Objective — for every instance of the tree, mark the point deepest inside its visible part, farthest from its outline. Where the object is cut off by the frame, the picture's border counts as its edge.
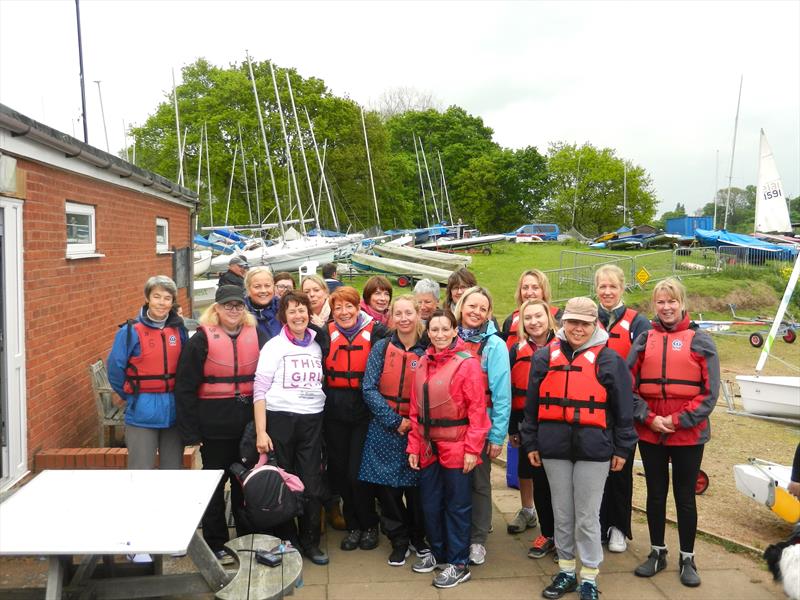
(399, 100)
(680, 211)
(586, 189)
(741, 208)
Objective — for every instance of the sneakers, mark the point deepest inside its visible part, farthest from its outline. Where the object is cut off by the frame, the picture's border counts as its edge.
(541, 547)
(588, 591)
(351, 540)
(451, 576)
(369, 539)
(522, 521)
(223, 557)
(140, 558)
(426, 564)
(477, 554)
(398, 556)
(689, 576)
(421, 549)
(656, 561)
(315, 555)
(563, 583)
(616, 540)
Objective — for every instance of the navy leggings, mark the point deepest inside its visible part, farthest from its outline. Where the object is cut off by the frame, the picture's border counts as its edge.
(685, 466)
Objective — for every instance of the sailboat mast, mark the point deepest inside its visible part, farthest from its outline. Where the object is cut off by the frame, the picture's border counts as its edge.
(716, 189)
(733, 151)
(421, 183)
(177, 129)
(369, 164)
(430, 184)
(230, 184)
(444, 185)
(321, 164)
(208, 179)
(255, 185)
(199, 173)
(624, 194)
(303, 154)
(288, 150)
(266, 149)
(244, 172)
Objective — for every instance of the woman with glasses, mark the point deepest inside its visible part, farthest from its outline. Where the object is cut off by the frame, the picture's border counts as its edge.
(578, 425)
(459, 282)
(214, 396)
(284, 282)
(261, 300)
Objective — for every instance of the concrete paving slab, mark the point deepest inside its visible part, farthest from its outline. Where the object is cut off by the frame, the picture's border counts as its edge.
(728, 584)
(417, 588)
(311, 592)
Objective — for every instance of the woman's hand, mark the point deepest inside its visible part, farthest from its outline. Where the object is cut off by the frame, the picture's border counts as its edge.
(470, 460)
(493, 451)
(263, 442)
(794, 488)
(617, 462)
(404, 426)
(413, 461)
(662, 424)
(514, 440)
(536, 460)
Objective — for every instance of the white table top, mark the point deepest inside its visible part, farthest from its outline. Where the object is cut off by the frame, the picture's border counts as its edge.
(106, 512)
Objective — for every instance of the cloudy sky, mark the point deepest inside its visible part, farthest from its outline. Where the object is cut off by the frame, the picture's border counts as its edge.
(656, 81)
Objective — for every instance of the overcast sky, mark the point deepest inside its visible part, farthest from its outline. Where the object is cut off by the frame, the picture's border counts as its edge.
(658, 82)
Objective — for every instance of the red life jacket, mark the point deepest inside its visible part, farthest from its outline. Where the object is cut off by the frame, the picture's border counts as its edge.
(441, 419)
(619, 336)
(513, 329)
(230, 365)
(347, 361)
(476, 348)
(668, 370)
(397, 377)
(154, 369)
(570, 392)
(520, 372)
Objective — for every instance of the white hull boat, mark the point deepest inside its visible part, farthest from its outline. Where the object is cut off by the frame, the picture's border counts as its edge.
(369, 262)
(766, 483)
(431, 258)
(203, 292)
(202, 261)
(463, 243)
(287, 256)
(770, 396)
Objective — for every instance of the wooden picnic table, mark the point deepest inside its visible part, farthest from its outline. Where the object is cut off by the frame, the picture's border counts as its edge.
(97, 514)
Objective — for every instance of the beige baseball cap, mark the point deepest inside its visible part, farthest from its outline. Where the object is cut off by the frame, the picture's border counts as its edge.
(580, 309)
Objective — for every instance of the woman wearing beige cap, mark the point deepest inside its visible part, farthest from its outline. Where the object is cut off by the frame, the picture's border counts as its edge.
(578, 425)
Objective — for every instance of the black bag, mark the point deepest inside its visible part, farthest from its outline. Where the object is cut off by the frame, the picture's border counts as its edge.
(247, 446)
(271, 495)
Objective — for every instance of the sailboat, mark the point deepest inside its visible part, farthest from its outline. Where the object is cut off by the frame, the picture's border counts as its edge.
(772, 220)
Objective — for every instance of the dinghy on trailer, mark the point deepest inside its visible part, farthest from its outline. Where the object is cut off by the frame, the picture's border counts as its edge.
(402, 269)
(441, 260)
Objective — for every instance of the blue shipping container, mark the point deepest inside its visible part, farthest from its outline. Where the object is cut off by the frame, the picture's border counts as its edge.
(687, 225)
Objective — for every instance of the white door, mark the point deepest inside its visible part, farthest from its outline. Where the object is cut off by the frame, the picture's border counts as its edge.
(13, 412)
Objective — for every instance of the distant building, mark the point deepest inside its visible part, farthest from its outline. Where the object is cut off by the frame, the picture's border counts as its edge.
(81, 230)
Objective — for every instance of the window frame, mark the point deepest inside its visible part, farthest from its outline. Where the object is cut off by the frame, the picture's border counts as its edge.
(162, 247)
(81, 248)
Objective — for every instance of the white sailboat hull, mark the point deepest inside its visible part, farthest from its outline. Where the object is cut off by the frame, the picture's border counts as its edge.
(369, 262)
(202, 261)
(203, 292)
(282, 257)
(770, 396)
(432, 258)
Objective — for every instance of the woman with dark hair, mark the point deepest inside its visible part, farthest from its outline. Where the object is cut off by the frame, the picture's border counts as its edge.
(288, 404)
(448, 432)
(376, 296)
(284, 282)
(459, 282)
(214, 395)
(352, 334)
(387, 392)
(676, 375)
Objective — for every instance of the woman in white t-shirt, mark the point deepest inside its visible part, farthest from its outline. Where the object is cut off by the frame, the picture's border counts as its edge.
(288, 401)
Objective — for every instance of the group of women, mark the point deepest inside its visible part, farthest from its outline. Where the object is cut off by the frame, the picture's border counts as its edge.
(402, 405)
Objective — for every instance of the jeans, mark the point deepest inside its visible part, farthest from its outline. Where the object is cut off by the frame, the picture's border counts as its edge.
(447, 506)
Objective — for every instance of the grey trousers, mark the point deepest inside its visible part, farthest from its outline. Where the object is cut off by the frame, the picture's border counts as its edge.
(577, 491)
(481, 499)
(142, 443)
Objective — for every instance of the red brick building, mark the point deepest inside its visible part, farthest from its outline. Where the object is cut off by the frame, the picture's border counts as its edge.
(81, 230)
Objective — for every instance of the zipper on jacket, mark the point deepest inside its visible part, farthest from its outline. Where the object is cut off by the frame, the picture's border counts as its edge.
(166, 365)
(664, 369)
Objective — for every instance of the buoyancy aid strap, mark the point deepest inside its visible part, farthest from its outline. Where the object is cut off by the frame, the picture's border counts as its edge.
(567, 367)
(346, 374)
(163, 376)
(666, 380)
(515, 391)
(233, 379)
(443, 422)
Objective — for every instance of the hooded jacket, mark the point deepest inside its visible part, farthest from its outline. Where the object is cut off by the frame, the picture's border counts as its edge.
(566, 441)
(494, 362)
(266, 316)
(146, 409)
(689, 415)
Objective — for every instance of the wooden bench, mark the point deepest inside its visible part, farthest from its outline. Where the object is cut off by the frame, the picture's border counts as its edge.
(108, 414)
(256, 581)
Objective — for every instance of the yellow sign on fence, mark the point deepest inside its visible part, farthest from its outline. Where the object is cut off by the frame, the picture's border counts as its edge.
(642, 276)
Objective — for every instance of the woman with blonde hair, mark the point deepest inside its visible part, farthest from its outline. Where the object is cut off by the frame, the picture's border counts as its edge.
(214, 394)
(478, 331)
(261, 300)
(316, 289)
(676, 375)
(388, 379)
(623, 325)
(532, 285)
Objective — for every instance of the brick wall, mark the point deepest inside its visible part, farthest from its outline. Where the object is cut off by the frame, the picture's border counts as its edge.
(73, 307)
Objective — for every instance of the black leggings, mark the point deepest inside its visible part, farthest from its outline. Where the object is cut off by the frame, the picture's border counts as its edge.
(685, 466)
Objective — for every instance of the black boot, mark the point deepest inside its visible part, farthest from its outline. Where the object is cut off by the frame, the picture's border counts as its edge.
(689, 576)
(656, 561)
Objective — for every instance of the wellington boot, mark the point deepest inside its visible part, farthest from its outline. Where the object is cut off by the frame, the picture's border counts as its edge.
(335, 517)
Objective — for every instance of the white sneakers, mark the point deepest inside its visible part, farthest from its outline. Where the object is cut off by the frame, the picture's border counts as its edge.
(477, 554)
(616, 540)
